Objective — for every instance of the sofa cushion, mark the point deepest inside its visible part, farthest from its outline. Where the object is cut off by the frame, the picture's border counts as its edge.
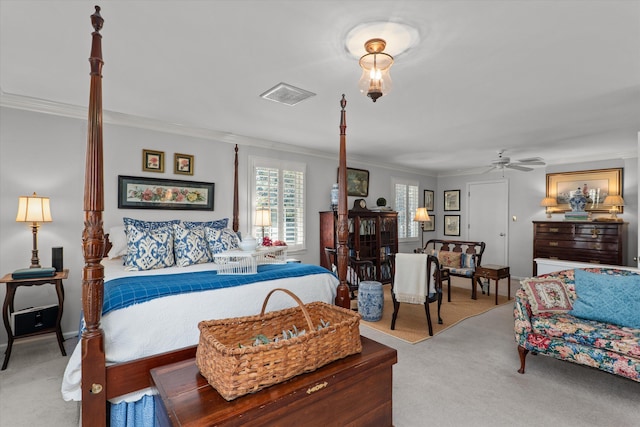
(546, 295)
(606, 298)
(449, 259)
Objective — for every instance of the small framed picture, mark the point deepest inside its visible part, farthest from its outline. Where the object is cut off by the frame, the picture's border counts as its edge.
(153, 161)
(183, 164)
(429, 225)
(452, 200)
(429, 201)
(452, 225)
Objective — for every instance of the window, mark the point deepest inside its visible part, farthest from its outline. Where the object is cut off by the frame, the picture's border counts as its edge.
(407, 202)
(279, 186)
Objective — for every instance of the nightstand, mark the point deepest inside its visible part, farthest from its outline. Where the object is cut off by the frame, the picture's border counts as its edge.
(495, 272)
(7, 308)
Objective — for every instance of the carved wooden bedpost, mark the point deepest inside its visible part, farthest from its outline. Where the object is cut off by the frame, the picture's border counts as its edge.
(342, 296)
(236, 219)
(93, 244)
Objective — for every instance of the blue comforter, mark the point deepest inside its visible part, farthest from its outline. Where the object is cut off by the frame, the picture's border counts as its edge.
(126, 291)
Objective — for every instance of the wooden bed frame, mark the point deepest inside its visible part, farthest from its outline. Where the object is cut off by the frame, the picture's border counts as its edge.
(100, 382)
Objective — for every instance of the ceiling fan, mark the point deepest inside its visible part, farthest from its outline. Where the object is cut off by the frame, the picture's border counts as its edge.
(522, 165)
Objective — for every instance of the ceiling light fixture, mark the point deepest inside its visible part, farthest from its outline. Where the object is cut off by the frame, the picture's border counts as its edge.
(375, 80)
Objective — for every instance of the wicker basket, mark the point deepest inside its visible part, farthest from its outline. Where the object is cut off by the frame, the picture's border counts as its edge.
(235, 371)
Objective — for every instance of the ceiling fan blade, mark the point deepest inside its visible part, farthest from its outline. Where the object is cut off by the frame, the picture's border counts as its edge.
(490, 169)
(532, 161)
(518, 167)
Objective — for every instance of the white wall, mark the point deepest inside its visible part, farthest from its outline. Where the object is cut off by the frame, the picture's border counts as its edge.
(46, 154)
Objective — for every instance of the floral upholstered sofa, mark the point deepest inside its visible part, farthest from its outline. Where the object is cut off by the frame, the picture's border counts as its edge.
(588, 316)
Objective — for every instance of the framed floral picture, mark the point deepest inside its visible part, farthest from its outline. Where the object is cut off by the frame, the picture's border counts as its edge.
(152, 161)
(183, 164)
(154, 193)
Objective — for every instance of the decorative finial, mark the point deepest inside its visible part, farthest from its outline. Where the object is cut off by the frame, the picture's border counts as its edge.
(343, 102)
(96, 19)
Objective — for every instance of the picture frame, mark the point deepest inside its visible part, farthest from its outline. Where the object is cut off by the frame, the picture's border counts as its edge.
(156, 193)
(183, 164)
(452, 225)
(357, 182)
(429, 199)
(452, 200)
(596, 185)
(429, 225)
(152, 161)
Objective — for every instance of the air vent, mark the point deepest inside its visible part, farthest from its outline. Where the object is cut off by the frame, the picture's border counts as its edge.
(286, 94)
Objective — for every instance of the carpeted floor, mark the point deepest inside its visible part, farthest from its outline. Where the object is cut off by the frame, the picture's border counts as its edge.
(411, 324)
(464, 376)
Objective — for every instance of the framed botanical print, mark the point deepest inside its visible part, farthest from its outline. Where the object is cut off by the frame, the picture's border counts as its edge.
(183, 164)
(452, 200)
(452, 225)
(429, 201)
(152, 161)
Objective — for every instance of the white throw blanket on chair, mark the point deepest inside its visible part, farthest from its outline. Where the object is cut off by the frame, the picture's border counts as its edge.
(410, 279)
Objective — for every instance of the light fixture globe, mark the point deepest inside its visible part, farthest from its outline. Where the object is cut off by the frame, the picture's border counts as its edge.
(375, 80)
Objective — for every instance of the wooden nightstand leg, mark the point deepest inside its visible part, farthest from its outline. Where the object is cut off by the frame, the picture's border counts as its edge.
(60, 292)
(497, 291)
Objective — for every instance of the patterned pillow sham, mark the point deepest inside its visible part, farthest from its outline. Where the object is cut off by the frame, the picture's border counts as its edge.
(221, 239)
(149, 249)
(218, 223)
(190, 246)
(149, 225)
(449, 259)
(546, 295)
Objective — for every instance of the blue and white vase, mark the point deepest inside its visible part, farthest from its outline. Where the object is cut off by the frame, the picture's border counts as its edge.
(370, 300)
(578, 201)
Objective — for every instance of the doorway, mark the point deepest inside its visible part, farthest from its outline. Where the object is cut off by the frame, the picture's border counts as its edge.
(488, 219)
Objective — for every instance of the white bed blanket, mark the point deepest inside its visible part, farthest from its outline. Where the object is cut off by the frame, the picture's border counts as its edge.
(169, 323)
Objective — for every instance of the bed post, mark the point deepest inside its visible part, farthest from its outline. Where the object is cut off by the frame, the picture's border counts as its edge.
(236, 220)
(94, 409)
(342, 295)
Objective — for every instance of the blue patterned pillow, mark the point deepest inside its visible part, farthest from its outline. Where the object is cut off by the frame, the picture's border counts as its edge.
(607, 298)
(468, 260)
(190, 246)
(148, 249)
(221, 239)
(218, 223)
(149, 225)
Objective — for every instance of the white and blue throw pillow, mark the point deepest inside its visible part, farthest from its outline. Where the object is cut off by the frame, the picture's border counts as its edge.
(221, 239)
(218, 223)
(149, 249)
(190, 245)
(149, 225)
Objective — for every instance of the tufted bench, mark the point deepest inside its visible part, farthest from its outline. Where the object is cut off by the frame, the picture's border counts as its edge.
(457, 258)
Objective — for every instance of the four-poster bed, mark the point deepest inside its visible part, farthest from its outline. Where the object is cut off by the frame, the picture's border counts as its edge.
(100, 383)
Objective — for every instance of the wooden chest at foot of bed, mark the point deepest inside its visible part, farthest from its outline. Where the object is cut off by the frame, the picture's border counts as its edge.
(355, 391)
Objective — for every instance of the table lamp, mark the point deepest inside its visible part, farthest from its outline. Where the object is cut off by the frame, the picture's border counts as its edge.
(614, 202)
(549, 202)
(422, 216)
(34, 209)
(263, 219)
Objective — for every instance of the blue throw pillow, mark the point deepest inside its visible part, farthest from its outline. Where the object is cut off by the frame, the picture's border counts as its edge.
(149, 225)
(218, 223)
(607, 298)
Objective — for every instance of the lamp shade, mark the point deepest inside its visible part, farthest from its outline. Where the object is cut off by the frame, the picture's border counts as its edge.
(33, 209)
(549, 202)
(422, 215)
(613, 201)
(263, 218)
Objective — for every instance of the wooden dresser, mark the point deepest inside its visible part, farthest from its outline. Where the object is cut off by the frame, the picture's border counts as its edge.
(354, 391)
(594, 242)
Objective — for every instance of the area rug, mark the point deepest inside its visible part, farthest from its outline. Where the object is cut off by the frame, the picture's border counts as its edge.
(411, 324)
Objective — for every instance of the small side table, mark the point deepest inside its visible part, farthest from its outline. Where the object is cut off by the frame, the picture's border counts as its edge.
(495, 272)
(7, 308)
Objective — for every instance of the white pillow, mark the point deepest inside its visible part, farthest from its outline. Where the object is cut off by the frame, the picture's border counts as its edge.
(118, 239)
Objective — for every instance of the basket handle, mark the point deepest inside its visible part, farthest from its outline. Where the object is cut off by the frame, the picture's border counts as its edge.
(295, 297)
